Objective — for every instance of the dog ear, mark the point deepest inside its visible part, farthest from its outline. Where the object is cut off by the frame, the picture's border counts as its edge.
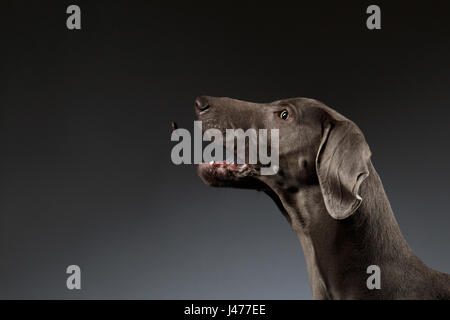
(341, 166)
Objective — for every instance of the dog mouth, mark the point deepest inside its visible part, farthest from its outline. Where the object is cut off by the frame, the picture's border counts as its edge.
(233, 172)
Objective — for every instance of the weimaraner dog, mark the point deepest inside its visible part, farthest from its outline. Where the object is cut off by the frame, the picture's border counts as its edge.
(330, 193)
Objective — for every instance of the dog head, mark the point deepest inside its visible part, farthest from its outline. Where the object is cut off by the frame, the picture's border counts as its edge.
(317, 145)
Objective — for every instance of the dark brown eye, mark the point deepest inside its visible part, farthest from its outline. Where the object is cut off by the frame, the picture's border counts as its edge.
(284, 114)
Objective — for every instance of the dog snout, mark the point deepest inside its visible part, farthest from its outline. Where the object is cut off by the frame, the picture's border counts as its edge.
(201, 104)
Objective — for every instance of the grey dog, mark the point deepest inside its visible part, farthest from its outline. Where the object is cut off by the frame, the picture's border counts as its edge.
(329, 191)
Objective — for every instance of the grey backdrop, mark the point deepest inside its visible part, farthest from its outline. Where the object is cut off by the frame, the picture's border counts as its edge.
(86, 176)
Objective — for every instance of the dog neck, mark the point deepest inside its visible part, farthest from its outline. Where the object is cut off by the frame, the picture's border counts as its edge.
(338, 252)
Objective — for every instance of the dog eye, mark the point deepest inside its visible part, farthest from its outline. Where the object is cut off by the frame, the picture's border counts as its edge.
(284, 114)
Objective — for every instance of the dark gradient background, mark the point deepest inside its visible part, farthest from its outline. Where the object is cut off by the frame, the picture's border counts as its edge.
(86, 176)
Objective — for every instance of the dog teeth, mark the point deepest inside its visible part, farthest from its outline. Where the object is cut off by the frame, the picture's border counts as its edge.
(227, 165)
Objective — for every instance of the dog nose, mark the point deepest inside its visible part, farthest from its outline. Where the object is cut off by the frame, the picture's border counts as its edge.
(201, 104)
